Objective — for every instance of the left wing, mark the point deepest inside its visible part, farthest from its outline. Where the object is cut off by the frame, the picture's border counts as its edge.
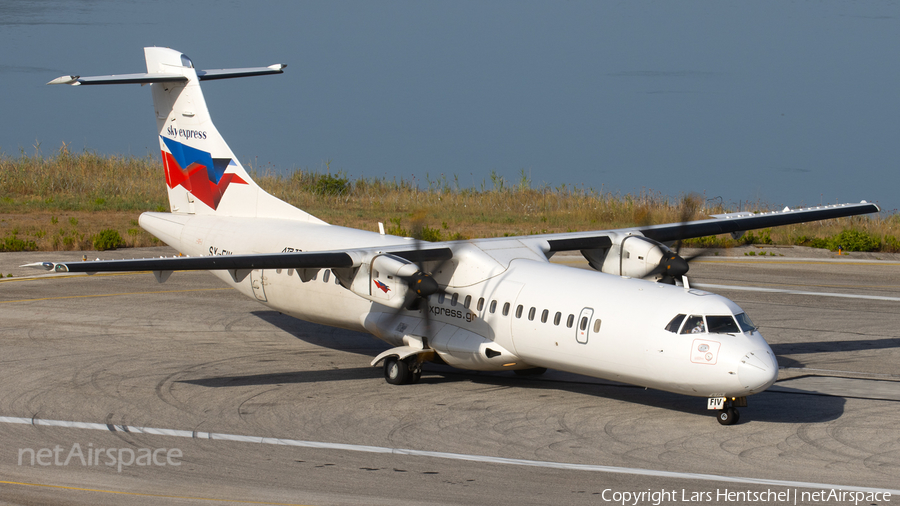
(237, 263)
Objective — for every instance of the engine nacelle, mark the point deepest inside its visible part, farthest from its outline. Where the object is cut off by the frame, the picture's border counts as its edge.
(631, 255)
(382, 279)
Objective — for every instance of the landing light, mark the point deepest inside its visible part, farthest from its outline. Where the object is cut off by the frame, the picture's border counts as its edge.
(509, 364)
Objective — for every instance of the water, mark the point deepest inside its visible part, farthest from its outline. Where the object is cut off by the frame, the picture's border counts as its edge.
(782, 102)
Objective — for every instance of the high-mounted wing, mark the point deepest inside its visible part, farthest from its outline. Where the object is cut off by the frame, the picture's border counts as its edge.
(719, 224)
(741, 222)
(294, 260)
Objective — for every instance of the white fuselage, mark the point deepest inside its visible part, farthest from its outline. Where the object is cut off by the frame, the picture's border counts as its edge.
(558, 317)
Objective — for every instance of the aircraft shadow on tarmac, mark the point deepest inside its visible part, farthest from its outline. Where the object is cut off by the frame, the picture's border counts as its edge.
(281, 378)
(782, 349)
(321, 335)
(772, 407)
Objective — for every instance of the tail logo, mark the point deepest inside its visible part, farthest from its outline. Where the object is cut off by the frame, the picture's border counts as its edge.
(197, 172)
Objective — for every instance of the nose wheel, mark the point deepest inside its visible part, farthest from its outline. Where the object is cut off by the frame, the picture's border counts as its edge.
(729, 416)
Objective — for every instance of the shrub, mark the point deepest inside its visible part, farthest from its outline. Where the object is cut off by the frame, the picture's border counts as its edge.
(108, 239)
(855, 240)
(326, 184)
(13, 243)
(763, 236)
(429, 234)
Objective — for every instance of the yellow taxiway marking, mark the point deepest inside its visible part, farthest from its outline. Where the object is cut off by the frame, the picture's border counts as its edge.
(771, 260)
(73, 275)
(114, 294)
(759, 260)
(237, 501)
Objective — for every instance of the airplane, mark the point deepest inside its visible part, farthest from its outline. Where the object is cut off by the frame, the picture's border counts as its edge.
(491, 304)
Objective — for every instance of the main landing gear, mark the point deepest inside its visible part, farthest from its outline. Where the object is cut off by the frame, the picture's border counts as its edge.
(402, 372)
(729, 415)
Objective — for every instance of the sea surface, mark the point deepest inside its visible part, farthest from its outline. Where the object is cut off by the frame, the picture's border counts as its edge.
(785, 103)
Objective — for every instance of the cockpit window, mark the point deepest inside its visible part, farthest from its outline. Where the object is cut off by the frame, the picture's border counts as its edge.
(722, 325)
(694, 325)
(675, 323)
(186, 62)
(745, 323)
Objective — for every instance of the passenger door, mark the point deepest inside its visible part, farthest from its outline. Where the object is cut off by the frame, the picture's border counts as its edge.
(583, 325)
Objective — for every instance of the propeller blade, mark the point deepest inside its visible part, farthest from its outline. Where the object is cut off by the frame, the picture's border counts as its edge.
(672, 266)
(421, 285)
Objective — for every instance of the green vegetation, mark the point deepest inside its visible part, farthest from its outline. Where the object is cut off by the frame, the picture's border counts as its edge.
(13, 243)
(79, 200)
(108, 239)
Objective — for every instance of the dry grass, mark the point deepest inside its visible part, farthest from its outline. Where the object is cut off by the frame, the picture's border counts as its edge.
(60, 201)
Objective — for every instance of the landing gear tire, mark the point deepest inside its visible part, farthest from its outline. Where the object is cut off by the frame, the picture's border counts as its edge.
(396, 372)
(534, 371)
(728, 416)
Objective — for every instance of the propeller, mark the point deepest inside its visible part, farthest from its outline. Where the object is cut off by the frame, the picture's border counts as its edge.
(672, 266)
(421, 284)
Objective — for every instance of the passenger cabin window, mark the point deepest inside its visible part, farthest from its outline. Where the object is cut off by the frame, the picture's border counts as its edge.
(557, 318)
(441, 298)
(694, 325)
(519, 311)
(506, 309)
(722, 325)
(544, 315)
(493, 307)
(453, 299)
(570, 321)
(325, 276)
(584, 323)
(277, 271)
(290, 272)
(481, 303)
(468, 301)
(597, 325)
(531, 313)
(675, 323)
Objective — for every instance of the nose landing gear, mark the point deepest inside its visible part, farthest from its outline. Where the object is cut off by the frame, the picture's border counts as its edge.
(728, 414)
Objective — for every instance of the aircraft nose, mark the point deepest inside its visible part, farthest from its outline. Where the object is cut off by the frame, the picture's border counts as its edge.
(758, 370)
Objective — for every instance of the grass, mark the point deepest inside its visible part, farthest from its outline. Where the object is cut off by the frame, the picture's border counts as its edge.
(65, 200)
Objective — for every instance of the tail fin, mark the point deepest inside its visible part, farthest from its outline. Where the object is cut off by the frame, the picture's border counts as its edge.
(202, 174)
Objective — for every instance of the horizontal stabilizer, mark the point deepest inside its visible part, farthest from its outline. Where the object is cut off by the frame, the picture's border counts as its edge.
(203, 75)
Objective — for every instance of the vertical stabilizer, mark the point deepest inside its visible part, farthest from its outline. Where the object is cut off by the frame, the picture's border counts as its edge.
(202, 174)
